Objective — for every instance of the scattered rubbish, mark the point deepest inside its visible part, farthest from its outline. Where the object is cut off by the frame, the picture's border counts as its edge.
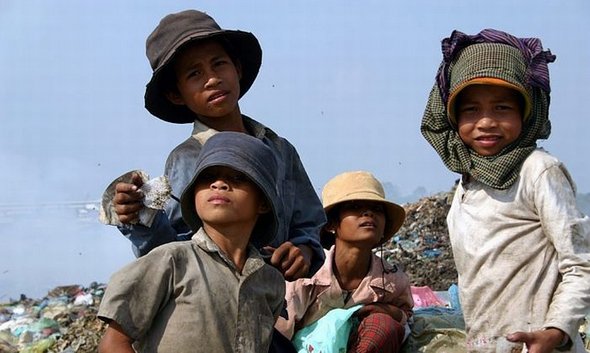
(422, 246)
(62, 322)
(65, 320)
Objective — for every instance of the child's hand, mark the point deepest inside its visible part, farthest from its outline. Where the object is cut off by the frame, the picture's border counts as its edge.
(542, 341)
(293, 262)
(128, 200)
(373, 308)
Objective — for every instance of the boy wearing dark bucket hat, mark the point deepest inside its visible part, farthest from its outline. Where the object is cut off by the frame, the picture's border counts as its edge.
(359, 220)
(214, 293)
(521, 246)
(200, 72)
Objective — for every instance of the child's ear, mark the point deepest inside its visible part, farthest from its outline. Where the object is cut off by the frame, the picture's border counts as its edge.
(238, 66)
(264, 207)
(331, 226)
(175, 98)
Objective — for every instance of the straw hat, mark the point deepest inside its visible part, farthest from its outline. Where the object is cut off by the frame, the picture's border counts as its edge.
(360, 186)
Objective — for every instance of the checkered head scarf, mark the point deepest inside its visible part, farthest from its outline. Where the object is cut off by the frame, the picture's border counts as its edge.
(522, 63)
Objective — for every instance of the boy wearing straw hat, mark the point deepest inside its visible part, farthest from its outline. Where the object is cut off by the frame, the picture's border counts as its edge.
(200, 73)
(214, 293)
(359, 220)
(521, 246)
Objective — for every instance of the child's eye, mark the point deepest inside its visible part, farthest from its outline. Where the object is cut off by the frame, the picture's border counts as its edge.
(467, 108)
(360, 206)
(207, 177)
(238, 178)
(220, 62)
(194, 73)
(378, 208)
(504, 107)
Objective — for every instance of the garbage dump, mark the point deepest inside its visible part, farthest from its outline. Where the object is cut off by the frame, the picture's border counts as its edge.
(65, 320)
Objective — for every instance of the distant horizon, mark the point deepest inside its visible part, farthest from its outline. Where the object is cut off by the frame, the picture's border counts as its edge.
(76, 249)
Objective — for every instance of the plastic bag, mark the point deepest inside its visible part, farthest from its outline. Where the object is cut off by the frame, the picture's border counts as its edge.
(156, 193)
(327, 335)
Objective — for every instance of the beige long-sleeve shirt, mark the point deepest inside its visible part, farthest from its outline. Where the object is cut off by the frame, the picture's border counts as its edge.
(522, 254)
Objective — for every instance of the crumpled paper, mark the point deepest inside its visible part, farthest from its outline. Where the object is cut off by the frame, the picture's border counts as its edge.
(156, 191)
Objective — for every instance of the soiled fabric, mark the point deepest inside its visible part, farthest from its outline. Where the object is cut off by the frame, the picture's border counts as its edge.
(377, 333)
(492, 54)
(302, 216)
(189, 297)
(308, 299)
(522, 254)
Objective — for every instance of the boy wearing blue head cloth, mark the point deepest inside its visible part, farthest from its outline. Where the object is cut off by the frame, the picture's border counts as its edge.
(213, 293)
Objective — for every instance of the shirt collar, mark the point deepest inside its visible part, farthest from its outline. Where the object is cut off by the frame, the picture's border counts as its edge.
(253, 263)
(202, 132)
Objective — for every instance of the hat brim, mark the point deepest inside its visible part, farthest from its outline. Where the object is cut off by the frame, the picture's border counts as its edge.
(250, 156)
(491, 81)
(394, 215)
(248, 51)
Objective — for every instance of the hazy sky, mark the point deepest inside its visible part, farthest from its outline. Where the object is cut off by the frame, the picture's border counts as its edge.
(346, 82)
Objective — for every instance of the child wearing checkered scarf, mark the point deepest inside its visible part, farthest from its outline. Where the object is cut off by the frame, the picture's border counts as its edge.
(521, 246)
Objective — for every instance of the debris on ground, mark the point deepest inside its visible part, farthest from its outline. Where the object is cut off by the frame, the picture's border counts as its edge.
(62, 322)
(422, 245)
(65, 320)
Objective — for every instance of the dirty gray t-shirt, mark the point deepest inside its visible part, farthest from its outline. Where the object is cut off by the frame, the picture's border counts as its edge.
(189, 297)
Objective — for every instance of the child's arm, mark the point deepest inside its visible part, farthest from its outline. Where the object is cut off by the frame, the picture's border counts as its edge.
(307, 216)
(115, 340)
(568, 231)
(168, 225)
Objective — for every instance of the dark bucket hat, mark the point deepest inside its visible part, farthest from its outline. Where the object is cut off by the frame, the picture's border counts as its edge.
(178, 29)
(250, 156)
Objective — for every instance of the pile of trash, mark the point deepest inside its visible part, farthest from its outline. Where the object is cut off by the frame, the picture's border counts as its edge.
(62, 322)
(65, 320)
(422, 245)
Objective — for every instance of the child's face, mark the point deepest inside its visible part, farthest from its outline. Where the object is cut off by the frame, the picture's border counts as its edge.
(489, 118)
(361, 223)
(207, 80)
(224, 196)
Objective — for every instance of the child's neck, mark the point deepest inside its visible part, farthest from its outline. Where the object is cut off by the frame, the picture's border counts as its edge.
(351, 265)
(230, 122)
(232, 241)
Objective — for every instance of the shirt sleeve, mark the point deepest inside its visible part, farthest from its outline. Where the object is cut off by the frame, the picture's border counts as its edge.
(296, 301)
(133, 299)
(402, 297)
(569, 232)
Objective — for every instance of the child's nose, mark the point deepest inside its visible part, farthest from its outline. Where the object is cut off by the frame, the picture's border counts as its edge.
(487, 120)
(212, 81)
(367, 211)
(219, 184)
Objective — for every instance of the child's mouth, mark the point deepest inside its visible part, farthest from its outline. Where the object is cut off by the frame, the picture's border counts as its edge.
(217, 96)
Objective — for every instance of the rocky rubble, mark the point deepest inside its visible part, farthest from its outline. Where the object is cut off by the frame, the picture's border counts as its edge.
(422, 245)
